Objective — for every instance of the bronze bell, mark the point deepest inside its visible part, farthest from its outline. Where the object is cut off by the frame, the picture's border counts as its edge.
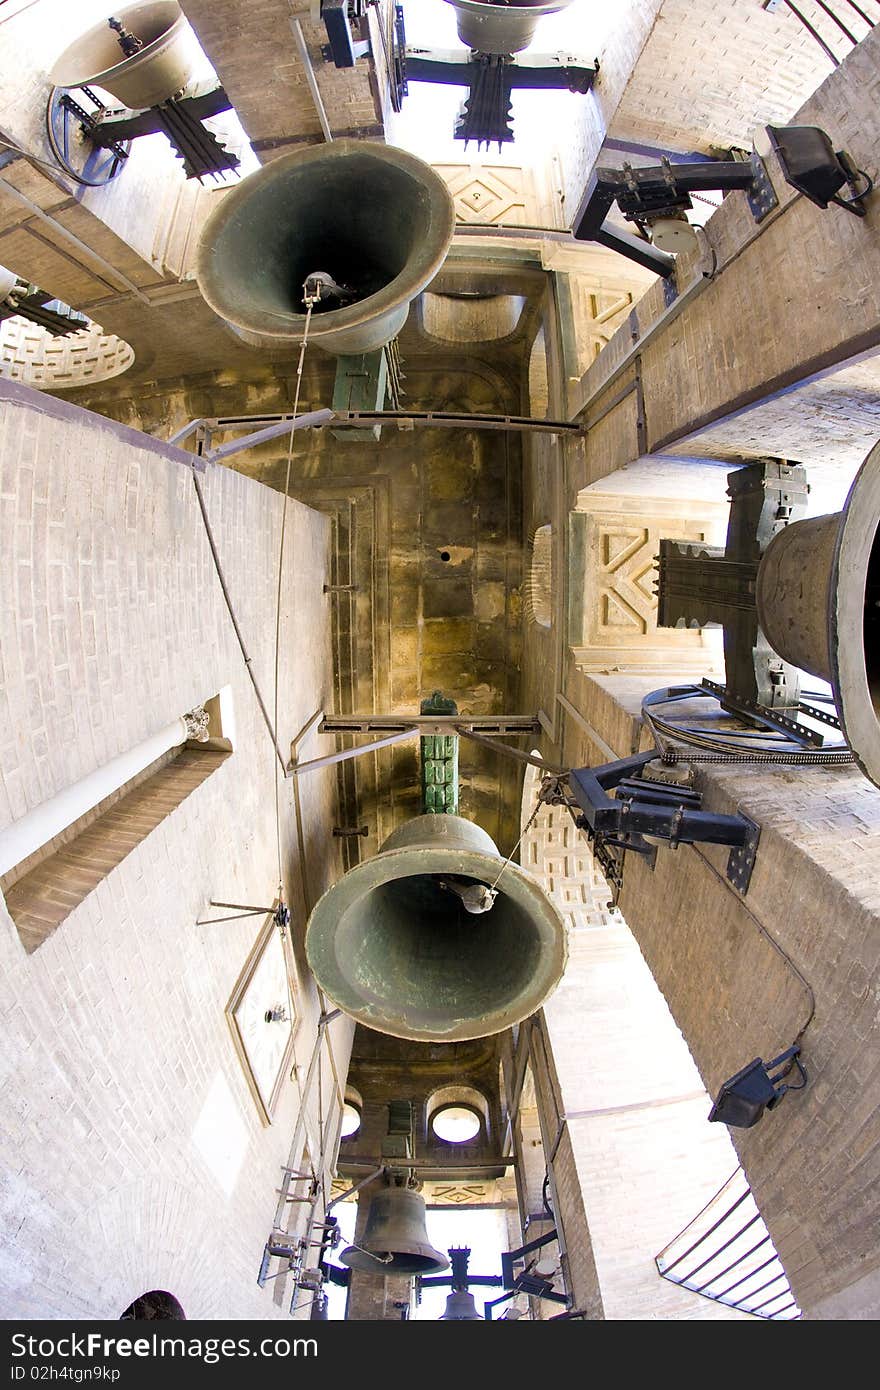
(818, 600)
(397, 946)
(460, 1307)
(161, 69)
(506, 28)
(372, 222)
(395, 1240)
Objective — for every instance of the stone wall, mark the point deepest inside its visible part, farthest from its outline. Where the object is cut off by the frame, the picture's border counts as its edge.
(745, 976)
(727, 345)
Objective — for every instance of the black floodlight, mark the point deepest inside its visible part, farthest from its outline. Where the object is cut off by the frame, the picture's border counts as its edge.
(743, 1098)
(812, 166)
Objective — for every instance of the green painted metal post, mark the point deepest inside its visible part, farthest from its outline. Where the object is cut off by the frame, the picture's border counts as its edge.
(360, 385)
(439, 757)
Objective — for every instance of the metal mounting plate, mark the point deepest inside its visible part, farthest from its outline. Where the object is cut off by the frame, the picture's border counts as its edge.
(761, 195)
(741, 859)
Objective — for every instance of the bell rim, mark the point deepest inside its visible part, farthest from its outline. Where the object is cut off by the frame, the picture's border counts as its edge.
(481, 7)
(418, 274)
(384, 868)
(856, 537)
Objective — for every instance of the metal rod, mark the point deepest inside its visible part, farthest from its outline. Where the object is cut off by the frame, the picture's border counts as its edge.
(299, 40)
(719, 1250)
(520, 757)
(861, 13)
(433, 1167)
(447, 420)
(237, 917)
(313, 420)
(829, 52)
(839, 22)
(720, 1274)
(243, 907)
(502, 725)
(357, 1187)
(439, 419)
(706, 1234)
(347, 753)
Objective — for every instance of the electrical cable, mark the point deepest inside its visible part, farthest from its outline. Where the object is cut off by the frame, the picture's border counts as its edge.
(54, 169)
(244, 651)
(805, 984)
(707, 274)
(717, 749)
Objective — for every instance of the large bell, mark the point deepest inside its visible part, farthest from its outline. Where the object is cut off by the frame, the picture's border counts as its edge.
(394, 944)
(374, 219)
(460, 1307)
(160, 70)
(818, 600)
(395, 1239)
(500, 27)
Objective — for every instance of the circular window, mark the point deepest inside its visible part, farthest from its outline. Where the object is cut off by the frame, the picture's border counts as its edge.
(456, 1124)
(351, 1120)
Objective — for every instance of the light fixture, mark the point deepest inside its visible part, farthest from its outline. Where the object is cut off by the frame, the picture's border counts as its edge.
(743, 1098)
(673, 234)
(811, 164)
(656, 197)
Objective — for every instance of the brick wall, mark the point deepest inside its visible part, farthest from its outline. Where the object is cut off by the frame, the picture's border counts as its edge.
(253, 51)
(709, 74)
(733, 345)
(133, 1153)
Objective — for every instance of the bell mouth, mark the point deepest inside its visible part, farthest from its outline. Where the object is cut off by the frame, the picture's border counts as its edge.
(854, 618)
(398, 1264)
(394, 946)
(376, 219)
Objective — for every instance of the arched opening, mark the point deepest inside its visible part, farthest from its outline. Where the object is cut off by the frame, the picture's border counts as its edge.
(154, 1306)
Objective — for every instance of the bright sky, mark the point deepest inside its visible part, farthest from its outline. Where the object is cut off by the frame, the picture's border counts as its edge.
(429, 111)
(482, 1230)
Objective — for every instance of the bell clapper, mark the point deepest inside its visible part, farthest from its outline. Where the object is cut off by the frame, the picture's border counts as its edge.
(475, 897)
(319, 285)
(129, 43)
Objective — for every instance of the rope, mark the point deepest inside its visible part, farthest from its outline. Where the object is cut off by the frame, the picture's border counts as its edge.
(526, 827)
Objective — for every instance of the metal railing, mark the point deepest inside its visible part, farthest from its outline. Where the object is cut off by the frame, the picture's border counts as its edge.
(841, 23)
(726, 1254)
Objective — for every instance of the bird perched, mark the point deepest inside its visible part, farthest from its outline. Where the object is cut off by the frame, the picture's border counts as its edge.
(475, 897)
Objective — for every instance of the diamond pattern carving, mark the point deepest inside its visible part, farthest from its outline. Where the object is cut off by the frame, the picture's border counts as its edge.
(598, 314)
(490, 193)
(620, 571)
